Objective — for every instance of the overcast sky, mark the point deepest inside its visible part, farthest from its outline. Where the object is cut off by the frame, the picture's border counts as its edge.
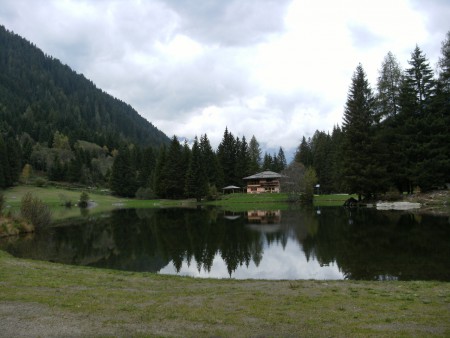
(276, 69)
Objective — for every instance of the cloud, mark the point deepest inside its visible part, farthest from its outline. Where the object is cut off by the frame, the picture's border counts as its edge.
(276, 69)
(230, 23)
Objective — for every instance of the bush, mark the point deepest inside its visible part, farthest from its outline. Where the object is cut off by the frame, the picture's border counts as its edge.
(65, 201)
(40, 182)
(84, 200)
(35, 211)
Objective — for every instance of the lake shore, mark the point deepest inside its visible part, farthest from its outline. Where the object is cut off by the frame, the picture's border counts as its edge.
(48, 299)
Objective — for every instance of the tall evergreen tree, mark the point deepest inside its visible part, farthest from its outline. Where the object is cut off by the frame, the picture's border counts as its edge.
(226, 153)
(210, 163)
(159, 174)
(281, 159)
(146, 167)
(196, 180)
(363, 173)
(321, 154)
(389, 82)
(174, 172)
(255, 155)
(419, 77)
(415, 124)
(267, 162)
(123, 175)
(243, 160)
(304, 154)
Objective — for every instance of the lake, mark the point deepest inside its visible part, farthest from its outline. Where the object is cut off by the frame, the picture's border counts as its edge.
(302, 243)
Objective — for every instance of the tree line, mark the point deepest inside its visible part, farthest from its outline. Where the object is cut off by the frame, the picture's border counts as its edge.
(183, 171)
(396, 138)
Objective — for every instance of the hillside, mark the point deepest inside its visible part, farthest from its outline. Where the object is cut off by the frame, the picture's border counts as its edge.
(39, 96)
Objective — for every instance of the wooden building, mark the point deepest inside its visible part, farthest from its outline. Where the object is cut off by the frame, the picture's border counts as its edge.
(263, 182)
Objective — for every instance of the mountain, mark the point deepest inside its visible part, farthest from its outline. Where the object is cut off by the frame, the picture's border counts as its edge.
(40, 96)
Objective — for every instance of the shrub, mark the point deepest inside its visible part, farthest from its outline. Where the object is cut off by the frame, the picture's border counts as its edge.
(84, 199)
(65, 201)
(40, 182)
(35, 211)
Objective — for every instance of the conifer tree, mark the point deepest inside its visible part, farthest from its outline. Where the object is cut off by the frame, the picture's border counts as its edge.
(196, 180)
(255, 155)
(123, 176)
(304, 154)
(389, 82)
(281, 159)
(159, 174)
(242, 160)
(363, 173)
(419, 77)
(173, 175)
(226, 154)
(415, 124)
(210, 163)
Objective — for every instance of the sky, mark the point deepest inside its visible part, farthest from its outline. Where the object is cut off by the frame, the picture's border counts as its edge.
(274, 69)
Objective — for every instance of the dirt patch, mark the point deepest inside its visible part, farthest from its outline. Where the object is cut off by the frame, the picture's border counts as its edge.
(36, 320)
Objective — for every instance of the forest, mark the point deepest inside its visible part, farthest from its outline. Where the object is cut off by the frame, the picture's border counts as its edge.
(394, 139)
(57, 126)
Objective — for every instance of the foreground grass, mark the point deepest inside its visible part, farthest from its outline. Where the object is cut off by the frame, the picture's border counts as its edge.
(45, 299)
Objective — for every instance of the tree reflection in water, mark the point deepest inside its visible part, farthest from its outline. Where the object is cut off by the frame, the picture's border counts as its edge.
(375, 245)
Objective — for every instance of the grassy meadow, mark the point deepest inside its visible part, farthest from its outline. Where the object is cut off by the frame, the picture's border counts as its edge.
(48, 299)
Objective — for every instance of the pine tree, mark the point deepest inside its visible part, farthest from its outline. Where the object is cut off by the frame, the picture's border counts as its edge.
(196, 180)
(243, 160)
(159, 174)
(419, 124)
(210, 163)
(123, 176)
(281, 159)
(363, 173)
(419, 77)
(226, 154)
(255, 155)
(173, 176)
(388, 86)
(304, 154)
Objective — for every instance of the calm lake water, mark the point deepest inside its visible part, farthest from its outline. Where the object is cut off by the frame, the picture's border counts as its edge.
(325, 243)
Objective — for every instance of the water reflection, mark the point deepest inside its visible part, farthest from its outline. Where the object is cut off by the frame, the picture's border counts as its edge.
(270, 244)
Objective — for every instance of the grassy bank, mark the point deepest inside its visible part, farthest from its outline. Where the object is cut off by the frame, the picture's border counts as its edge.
(56, 198)
(45, 299)
(102, 202)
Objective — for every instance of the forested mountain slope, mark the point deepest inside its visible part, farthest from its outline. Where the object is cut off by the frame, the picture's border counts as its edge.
(39, 96)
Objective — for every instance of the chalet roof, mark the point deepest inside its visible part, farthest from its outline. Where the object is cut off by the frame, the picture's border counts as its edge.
(264, 174)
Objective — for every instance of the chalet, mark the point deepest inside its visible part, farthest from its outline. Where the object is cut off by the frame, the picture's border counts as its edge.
(266, 181)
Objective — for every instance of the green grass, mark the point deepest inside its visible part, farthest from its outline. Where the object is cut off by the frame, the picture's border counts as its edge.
(332, 199)
(104, 202)
(94, 302)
